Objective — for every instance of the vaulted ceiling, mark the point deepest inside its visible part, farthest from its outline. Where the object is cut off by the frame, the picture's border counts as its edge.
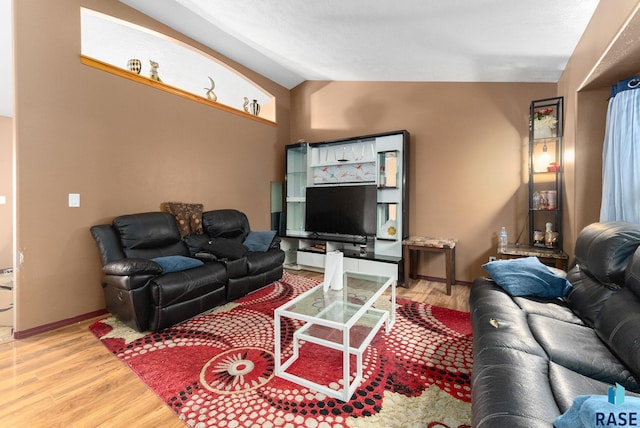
(290, 41)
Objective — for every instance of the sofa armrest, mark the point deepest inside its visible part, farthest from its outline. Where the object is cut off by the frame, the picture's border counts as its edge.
(206, 257)
(132, 266)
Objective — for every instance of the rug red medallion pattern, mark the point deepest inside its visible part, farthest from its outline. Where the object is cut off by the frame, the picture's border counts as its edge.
(217, 370)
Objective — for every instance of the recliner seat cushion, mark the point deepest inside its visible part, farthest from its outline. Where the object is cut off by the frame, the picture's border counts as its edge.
(512, 331)
(579, 348)
(175, 287)
(551, 308)
(506, 390)
(568, 384)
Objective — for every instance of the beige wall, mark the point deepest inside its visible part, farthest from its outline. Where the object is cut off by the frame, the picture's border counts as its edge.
(6, 190)
(469, 145)
(607, 52)
(124, 147)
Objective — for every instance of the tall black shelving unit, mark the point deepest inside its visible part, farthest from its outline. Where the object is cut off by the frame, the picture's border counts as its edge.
(546, 168)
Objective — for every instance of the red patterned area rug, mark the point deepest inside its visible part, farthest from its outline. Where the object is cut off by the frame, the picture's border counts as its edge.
(217, 370)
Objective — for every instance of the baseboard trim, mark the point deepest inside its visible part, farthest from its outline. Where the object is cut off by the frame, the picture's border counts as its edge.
(54, 325)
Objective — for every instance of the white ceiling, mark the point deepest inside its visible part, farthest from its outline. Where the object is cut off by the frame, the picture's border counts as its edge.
(290, 41)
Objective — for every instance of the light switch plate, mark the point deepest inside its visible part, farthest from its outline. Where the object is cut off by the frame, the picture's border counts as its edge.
(74, 200)
(3, 200)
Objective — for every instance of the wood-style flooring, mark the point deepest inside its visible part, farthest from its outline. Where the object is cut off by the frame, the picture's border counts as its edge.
(67, 378)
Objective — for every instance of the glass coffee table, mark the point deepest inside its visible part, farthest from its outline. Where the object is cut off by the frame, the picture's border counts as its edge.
(330, 318)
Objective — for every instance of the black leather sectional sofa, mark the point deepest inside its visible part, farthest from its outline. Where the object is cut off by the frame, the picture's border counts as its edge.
(147, 283)
(533, 356)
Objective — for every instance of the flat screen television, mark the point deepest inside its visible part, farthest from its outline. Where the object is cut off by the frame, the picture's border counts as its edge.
(345, 210)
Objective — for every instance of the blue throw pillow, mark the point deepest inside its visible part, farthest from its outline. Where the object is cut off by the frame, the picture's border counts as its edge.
(259, 241)
(177, 263)
(596, 411)
(527, 277)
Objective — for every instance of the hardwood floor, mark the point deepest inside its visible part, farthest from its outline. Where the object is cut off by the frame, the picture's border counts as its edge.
(66, 378)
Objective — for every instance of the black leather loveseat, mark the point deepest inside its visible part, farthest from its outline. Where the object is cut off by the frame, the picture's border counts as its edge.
(533, 356)
(153, 278)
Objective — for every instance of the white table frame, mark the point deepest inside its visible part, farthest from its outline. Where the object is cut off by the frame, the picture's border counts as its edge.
(365, 310)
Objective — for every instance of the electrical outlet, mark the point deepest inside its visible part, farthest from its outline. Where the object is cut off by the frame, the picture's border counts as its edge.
(492, 258)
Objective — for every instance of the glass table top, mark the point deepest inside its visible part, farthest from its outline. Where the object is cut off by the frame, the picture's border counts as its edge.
(338, 306)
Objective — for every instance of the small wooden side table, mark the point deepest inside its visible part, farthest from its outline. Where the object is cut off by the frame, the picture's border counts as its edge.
(415, 244)
(549, 257)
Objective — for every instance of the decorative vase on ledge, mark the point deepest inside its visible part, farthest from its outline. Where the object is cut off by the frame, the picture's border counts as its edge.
(134, 65)
(251, 107)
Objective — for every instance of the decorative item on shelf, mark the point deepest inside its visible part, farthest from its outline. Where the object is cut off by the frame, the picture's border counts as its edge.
(210, 94)
(383, 179)
(134, 65)
(536, 200)
(544, 122)
(552, 199)
(345, 173)
(389, 229)
(548, 199)
(251, 107)
(544, 202)
(553, 167)
(153, 74)
(550, 237)
(538, 238)
(542, 160)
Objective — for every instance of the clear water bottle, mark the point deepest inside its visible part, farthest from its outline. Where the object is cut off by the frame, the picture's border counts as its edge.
(502, 243)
